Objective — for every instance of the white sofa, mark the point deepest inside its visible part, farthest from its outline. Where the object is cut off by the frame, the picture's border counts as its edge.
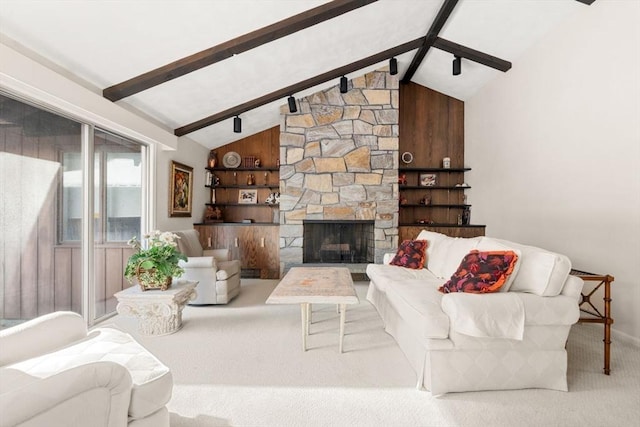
(218, 276)
(54, 372)
(511, 339)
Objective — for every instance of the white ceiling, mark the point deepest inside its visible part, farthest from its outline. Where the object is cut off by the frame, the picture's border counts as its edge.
(105, 42)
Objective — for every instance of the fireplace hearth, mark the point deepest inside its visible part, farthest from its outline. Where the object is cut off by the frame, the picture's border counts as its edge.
(333, 242)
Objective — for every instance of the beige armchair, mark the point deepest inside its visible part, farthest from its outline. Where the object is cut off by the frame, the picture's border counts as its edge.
(218, 276)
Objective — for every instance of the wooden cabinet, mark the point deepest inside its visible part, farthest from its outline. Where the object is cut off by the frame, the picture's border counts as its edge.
(256, 246)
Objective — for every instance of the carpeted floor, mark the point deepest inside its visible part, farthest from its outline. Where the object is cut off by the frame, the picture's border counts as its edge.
(242, 365)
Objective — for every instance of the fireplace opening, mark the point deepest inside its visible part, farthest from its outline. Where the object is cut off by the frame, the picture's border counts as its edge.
(350, 242)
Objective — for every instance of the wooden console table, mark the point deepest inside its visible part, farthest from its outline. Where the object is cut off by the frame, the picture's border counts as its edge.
(594, 315)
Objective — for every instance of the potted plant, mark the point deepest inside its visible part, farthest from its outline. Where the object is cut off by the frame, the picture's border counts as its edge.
(156, 264)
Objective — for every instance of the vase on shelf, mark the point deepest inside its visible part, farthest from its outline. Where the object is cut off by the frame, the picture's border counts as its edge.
(213, 159)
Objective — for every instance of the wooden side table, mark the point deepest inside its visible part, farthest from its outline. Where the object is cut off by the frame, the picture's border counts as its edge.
(593, 315)
(158, 312)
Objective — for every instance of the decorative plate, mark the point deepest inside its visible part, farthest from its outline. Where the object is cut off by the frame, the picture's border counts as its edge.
(231, 160)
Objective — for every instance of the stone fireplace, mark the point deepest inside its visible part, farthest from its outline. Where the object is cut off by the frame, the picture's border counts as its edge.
(339, 162)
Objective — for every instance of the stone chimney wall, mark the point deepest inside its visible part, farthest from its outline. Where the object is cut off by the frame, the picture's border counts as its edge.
(339, 161)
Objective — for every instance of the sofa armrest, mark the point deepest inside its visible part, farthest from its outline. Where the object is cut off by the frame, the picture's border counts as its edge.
(78, 396)
(34, 337)
(199, 262)
(218, 254)
(573, 287)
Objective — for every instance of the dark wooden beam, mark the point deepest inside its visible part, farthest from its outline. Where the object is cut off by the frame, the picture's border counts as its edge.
(432, 34)
(587, 2)
(232, 47)
(472, 55)
(298, 87)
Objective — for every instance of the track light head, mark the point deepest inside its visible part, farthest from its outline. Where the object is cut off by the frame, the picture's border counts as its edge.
(343, 85)
(292, 104)
(237, 124)
(457, 65)
(393, 66)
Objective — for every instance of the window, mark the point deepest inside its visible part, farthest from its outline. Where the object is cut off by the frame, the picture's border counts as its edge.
(43, 251)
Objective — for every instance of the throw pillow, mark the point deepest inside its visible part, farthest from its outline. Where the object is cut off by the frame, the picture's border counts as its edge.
(481, 272)
(411, 254)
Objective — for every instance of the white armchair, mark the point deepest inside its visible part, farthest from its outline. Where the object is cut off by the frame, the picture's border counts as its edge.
(53, 372)
(218, 276)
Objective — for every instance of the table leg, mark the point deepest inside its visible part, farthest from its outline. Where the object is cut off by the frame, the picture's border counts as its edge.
(343, 315)
(303, 311)
(309, 320)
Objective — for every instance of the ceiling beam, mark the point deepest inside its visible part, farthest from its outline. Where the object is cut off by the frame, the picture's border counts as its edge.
(432, 34)
(232, 47)
(300, 86)
(472, 55)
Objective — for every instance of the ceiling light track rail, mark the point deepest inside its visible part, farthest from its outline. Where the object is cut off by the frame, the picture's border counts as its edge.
(472, 54)
(232, 47)
(300, 86)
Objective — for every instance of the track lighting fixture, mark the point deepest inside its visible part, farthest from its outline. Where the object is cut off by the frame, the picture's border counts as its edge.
(237, 124)
(393, 66)
(292, 104)
(457, 65)
(343, 85)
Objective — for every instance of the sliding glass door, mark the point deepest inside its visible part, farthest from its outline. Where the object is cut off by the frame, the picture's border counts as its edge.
(71, 196)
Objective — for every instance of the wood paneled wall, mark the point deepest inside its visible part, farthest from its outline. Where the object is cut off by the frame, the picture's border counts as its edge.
(431, 126)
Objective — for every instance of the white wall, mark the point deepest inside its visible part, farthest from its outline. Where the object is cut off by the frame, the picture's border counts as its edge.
(190, 154)
(555, 149)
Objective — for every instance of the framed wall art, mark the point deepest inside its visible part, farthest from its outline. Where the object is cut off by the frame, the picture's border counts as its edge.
(248, 196)
(180, 190)
(427, 179)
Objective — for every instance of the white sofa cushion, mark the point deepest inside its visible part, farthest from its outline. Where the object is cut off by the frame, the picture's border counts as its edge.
(418, 302)
(448, 253)
(541, 272)
(386, 274)
(152, 381)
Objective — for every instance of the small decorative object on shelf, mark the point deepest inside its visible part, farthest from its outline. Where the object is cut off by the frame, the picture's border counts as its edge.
(235, 178)
(459, 219)
(249, 162)
(213, 159)
(273, 199)
(446, 162)
(402, 179)
(256, 163)
(425, 200)
(407, 157)
(466, 216)
(251, 179)
(266, 178)
(212, 214)
(427, 179)
(277, 163)
(207, 177)
(156, 265)
(403, 200)
(213, 196)
(424, 221)
(215, 181)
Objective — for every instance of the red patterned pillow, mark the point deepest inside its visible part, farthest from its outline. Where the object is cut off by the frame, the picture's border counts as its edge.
(481, 272)
(411, 254)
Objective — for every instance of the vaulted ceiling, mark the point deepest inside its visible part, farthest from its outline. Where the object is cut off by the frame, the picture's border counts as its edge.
(191, 65)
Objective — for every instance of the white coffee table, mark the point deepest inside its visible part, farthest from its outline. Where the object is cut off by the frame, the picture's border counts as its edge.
(316, 285)
(158, 312)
